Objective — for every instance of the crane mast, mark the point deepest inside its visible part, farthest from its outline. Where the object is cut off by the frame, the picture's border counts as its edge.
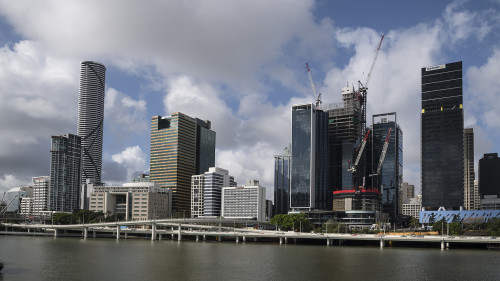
(317, 96)
(382, 154)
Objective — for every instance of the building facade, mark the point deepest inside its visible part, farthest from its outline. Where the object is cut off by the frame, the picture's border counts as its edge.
(489, 175)
(247, 202)
(65, 173)
(134, 201)
(40, 193)
(181, 146)
(412, 207)
(308, 187)
(14, 196)
(469, 175)
(282, 182)
(390, 180)
(442, 129)
(206, 192)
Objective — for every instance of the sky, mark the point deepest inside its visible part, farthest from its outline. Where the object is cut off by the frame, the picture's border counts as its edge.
(239, 64)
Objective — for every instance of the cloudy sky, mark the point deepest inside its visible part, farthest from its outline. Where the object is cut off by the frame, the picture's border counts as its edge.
(240, 64)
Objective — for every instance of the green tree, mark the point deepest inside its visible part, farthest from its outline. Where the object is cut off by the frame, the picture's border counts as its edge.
(292, 222)
(456, 228)
(493, 227)
(62, 218)
(333, 226)
(438, 226)
(414, 223)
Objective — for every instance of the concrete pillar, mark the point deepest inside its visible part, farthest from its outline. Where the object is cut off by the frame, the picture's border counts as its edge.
(159, 236)
(237, 239)
(197, 238)
(85, 232)
(93, 234)
(286, 240)
(382, 243)
(179, 236)
(117, 232)
(244, 239)
(204, 237)
(442, 244)
(29, 230)
(220, 226)
(327, 241)
(219, 238)
(55, 232)
(281, 240)
(447, 245)
(153, 231)
(173, 233)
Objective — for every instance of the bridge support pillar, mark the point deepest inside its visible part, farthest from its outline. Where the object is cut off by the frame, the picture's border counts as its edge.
(442, 244)
(237, 239)
(153, 231)
(328, 241)
(220, 226)
(382, 243)
(125, 235)
(117, 232)
(159, 236)
(204, 237)
(281, 240)
(447, 245)
(179, 236)
(85, 232)
(244, 239)
(197, 238)
(55, 232)
(286, 240)
(173, 233)
(93, 234)
(219, 238)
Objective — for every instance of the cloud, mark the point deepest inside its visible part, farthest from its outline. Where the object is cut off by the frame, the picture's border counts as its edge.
(133, 159)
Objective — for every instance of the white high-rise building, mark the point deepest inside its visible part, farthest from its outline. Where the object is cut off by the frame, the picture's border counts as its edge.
(90, 122)
(206, 192)
(40, 193)
(244, 202)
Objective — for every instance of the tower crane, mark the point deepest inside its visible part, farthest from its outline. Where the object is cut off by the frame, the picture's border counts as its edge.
(317, 96)
(354, 167)
(362, 88)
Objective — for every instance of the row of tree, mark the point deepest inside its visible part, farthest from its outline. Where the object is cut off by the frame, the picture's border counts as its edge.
(84, 216)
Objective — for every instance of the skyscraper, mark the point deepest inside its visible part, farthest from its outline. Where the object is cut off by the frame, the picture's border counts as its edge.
(90, 122)
(65, 169)
(308, 188)
(181, 146)
(41, 187)
(489, 175)
(442, 128)
(390, 179)
(282, 182)
(469, 175)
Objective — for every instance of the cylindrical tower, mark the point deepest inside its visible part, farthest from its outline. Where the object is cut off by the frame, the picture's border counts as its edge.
(91, 118)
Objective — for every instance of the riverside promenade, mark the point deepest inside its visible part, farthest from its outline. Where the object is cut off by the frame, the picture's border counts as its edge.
(227, 230)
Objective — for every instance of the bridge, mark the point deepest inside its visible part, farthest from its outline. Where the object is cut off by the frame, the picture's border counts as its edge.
(220, 229)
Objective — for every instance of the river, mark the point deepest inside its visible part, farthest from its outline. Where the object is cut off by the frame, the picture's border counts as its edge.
(49, 258)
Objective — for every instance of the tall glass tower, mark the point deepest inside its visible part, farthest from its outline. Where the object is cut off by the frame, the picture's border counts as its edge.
(308, 181)
(282, 182)
(442, 137)
(91, 118)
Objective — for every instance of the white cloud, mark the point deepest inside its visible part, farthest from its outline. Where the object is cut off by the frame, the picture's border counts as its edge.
(8, 182)
(125, 115)
(133, 159)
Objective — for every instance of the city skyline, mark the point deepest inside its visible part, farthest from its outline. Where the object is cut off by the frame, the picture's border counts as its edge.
(241, 75)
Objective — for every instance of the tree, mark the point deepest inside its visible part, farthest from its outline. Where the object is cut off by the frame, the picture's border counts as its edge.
(62, 218)
(493, 227)
(292, 222)
(414, 223)
(333, 226)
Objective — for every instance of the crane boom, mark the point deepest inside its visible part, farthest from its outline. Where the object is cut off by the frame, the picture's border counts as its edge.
(384, 151)
(373, 62)
(361, 149)
(317, 96)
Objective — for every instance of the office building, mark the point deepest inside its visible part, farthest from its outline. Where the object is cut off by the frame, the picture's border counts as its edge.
(469, 175)
(489, 175)
(206, 192)
(65, 177)
(407, 192)
(247, 202)
(181, 146)
(141, 178)
(477, 196)
(40, 193)
(308, 182)
(26, 206)
(412, 207)
(442, 137)
(282, 182)
(131, 201)
(390, 179)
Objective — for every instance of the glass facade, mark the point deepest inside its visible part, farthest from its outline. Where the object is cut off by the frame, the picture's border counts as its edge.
(442, 127)
(282, 182)
(205, 146)
(390, 179)
(309, 158)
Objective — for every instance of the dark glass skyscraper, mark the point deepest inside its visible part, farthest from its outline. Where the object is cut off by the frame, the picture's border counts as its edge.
(469, 175)
(390, 179)
(181, 146)
(489, 175)
(442, 127)
(282, 182)
(308, 188)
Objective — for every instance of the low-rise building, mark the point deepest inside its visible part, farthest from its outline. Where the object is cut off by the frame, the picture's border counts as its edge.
(206, 192)
(26, 206)
(412, 207)
(135, 201)
(244, 202)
